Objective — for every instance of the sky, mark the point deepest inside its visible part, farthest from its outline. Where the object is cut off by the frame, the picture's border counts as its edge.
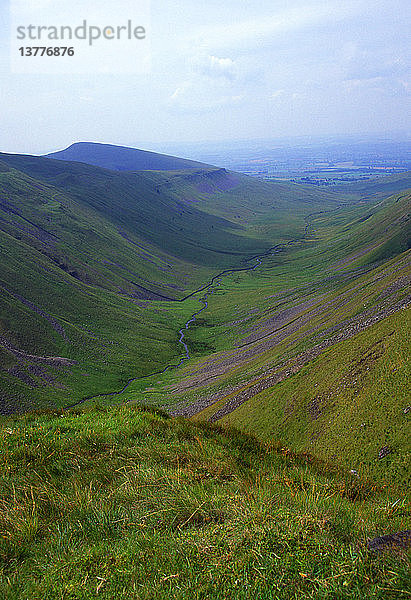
(226, 70)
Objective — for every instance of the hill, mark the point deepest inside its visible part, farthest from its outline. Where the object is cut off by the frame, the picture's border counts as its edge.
(312, 348)
(379, 187)
(121, 158)
(103, 272)
(87, 252)
(128, 503)
(273, 317)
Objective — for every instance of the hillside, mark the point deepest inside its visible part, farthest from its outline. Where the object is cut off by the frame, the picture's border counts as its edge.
(379, 187)
(312, 348)
(105, 273)
(95, 264)
(128, 503)
(120, 158)
(273, 317)
(182, 215)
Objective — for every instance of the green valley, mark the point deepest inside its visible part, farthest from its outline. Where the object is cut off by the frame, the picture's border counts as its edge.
(204, 381)
(91, 259)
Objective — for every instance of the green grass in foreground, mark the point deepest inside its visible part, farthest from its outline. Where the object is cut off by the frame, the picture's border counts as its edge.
(127, 503)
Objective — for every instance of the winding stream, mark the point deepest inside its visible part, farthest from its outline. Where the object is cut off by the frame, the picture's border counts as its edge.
(208, 288)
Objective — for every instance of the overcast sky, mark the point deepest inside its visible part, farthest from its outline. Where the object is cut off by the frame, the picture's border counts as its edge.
(232, 69)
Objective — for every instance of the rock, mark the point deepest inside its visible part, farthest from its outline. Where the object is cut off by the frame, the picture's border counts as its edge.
(402, 539)
(385, 451)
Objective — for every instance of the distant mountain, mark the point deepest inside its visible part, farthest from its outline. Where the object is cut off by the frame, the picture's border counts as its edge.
(120, 158)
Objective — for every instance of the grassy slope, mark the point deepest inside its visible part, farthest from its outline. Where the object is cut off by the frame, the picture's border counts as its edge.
(172, 213)
(125, 503)
(60, 298)
(132, 204)
(82, 246)
(345, 404)
(379, 187)
(52, 254)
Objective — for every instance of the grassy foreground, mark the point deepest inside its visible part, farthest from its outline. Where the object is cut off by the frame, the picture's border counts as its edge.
(128, 503)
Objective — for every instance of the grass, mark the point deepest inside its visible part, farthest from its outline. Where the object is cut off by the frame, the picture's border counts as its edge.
(346, 405)
(84, 245)
(126, 502)
(343, 405)
(92, 250)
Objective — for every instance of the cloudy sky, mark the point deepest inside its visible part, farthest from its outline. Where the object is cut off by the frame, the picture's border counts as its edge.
(223, 70)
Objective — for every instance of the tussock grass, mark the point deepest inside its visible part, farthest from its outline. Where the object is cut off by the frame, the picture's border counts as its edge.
(128, 503)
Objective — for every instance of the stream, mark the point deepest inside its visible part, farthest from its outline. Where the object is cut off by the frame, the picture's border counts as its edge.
(209, 289)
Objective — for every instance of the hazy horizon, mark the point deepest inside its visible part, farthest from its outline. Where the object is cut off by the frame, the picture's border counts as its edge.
(226, 72)
(284, 141)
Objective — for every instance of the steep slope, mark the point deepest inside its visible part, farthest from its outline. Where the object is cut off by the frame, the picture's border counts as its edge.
(128, 503)
(121, 158)
(312, 347)
(87, 253)
(94, 261)
(186, 228)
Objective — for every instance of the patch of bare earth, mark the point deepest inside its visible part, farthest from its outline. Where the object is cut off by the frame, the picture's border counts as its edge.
(35, 370)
